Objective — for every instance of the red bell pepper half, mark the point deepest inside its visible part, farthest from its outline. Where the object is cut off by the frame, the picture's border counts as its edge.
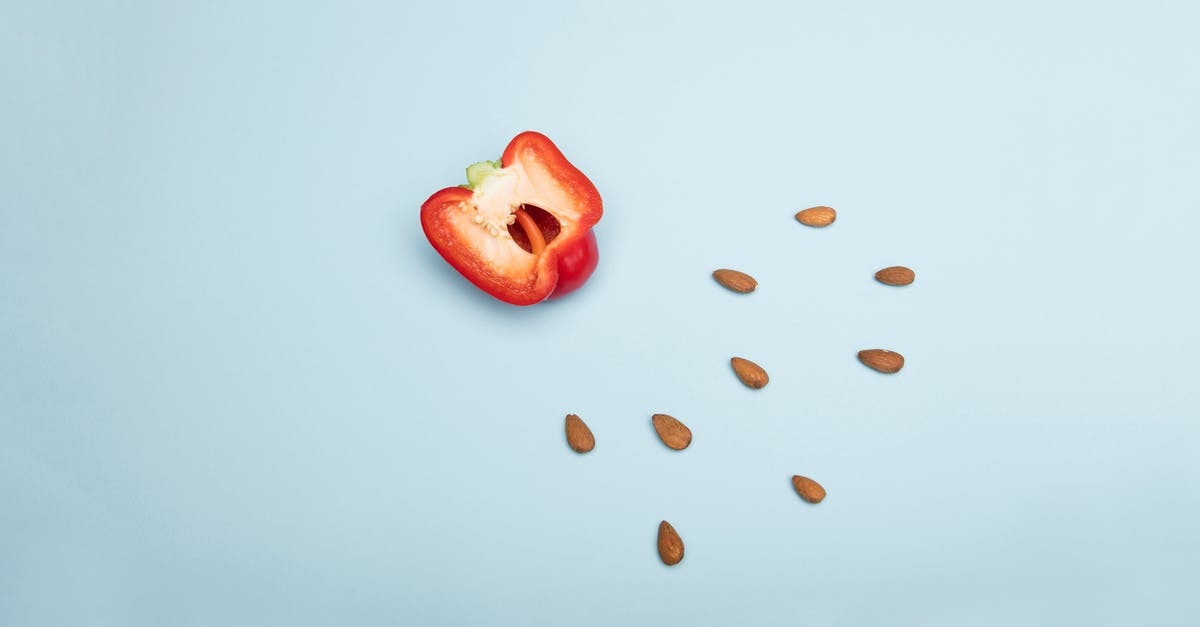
(520, 229)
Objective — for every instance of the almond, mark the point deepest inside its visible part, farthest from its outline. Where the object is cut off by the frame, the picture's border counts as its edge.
(808, 489)
(673, 433)
(817, 216)
(884, 361)
(670, 545)
(749, 372)
(895, 275)
(739, 282)
(579, 437)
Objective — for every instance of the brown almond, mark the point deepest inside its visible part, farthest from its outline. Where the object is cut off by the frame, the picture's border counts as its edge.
(884, 361)
(817, 216)
(739, 282)
(579, 437)
(808, 489)
(673, 433)
(895, 275)
(749, 372)
(670, 545)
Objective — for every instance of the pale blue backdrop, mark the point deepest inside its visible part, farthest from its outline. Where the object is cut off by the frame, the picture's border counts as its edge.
(237, 387)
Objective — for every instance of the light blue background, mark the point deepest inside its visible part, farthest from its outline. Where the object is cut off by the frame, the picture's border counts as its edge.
(237, 387)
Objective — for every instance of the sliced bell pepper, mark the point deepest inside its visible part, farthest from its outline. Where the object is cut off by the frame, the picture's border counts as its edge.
(520, 229)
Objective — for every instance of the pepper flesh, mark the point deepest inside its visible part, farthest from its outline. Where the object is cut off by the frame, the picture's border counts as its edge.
(468, 225)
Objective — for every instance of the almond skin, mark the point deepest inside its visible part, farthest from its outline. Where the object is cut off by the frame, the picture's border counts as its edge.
(884, 361)
(579, 437)
(733, 280)
(670, 545)
(673, 433)
(895, 275)
(749, 372)
(817, 216)
(808, 489)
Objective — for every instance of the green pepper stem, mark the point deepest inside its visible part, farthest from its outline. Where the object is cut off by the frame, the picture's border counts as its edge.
(476, 172)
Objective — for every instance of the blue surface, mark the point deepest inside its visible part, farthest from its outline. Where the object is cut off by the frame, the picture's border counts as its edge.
(237, 387)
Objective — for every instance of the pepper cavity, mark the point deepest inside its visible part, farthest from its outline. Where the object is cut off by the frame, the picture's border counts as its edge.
(533, 228)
